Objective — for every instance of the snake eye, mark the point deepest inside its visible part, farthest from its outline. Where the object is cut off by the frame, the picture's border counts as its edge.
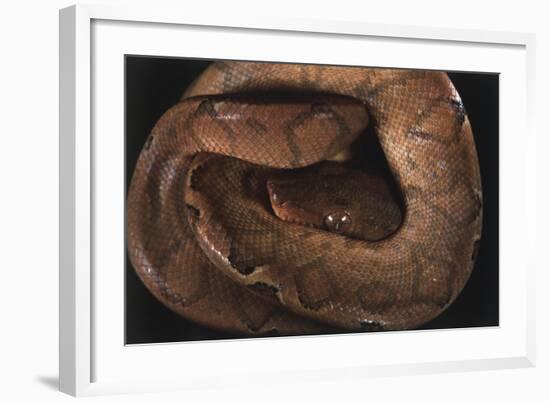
(338, 222)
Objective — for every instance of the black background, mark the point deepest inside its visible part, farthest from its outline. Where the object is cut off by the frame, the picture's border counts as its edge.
(152, 85)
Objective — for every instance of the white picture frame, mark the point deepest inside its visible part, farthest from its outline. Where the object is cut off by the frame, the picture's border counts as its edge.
(93, 357)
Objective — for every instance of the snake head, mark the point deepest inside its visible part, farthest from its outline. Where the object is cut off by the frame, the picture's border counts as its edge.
(310, 203)
(335, 199)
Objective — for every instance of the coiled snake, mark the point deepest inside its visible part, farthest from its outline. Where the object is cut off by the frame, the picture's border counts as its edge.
(213, 210)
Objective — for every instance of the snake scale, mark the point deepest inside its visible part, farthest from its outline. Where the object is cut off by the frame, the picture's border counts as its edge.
(205, 232)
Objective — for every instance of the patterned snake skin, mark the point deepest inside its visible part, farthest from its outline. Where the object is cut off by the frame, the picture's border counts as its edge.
(204, 239)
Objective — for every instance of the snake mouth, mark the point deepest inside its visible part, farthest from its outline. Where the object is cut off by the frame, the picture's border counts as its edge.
(286, 205)
(286, 209)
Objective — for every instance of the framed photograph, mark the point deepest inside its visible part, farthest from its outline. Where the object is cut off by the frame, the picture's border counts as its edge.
(245, 190)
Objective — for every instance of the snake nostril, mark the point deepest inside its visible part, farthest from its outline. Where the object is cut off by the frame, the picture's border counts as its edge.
(149, 142)
(196, 213)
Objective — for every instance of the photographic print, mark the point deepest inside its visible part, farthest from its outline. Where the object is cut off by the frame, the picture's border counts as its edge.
(275, 199)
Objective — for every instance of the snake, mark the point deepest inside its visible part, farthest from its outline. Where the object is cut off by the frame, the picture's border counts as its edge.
(243, 216)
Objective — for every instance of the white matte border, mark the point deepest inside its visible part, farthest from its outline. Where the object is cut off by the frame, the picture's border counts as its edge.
(116, 368)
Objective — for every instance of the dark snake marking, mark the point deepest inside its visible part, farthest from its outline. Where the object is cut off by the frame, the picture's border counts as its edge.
(373, 92)
(443, 299)
(243, 264)
(266, 290)
(227, 73)
(417, 131)
(475, 251)
(317, 109)
(193, 210)
(149, 142)
(308, 81)
(257, 126)
(318, 296)
(253, 323)
(174, 296)
(208, 107)
(376, 297)
(371, 326)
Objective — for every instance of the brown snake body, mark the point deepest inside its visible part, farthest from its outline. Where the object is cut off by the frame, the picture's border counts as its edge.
(203, 237)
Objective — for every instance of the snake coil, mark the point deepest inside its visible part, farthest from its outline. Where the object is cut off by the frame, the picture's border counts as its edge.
(204, 240)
